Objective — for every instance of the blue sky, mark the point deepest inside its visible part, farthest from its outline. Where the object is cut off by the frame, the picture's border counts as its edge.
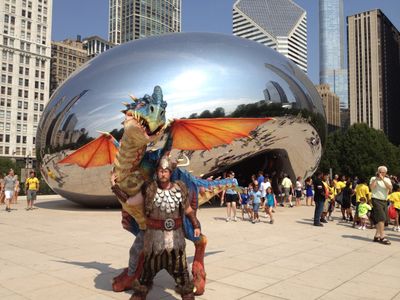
(90, 17)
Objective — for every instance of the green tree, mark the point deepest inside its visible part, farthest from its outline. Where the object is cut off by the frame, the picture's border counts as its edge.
(358, 151)
(6, 164)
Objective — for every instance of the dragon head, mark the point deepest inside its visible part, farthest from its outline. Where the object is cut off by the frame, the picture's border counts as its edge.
(147, 114)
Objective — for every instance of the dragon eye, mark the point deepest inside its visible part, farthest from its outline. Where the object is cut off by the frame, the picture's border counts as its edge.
(152, 108)
(162, 113)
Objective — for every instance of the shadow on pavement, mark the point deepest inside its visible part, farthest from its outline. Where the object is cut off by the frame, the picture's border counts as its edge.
(356, 237)
(103, 280)
(306, 221)
(394, 237)
(63, 204)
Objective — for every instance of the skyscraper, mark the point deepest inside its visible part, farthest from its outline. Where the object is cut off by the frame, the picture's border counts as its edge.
(134, 19)
(279, 24)
(66, 57)
(374, 72)
(331, 47)
(331, 105)
(25, 46)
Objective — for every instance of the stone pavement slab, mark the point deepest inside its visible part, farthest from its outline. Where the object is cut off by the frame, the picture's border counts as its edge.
(63, 251)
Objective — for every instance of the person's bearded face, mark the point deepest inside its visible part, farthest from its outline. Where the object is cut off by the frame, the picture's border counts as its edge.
(163, 175)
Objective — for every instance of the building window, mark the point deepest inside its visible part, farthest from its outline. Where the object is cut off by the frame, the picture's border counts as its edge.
(18, 139)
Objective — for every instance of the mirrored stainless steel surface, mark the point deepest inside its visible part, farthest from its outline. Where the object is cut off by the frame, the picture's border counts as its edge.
(201, 75)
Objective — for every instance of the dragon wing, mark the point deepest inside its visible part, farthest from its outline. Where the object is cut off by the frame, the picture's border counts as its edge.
(96, 153)
(204, 134)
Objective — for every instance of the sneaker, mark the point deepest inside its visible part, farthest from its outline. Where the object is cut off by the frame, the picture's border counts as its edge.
(330, 218)
(234, 219)
(228, 219)
(360, 227)
(271, 222)
(324, 221)
(253, 221)
(364, 228)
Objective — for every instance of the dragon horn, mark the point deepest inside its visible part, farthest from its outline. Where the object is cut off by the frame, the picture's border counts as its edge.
(183, 164)
(125, 103)
(134, 99)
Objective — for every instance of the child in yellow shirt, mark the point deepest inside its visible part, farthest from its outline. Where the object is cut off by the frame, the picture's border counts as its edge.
(395, 199)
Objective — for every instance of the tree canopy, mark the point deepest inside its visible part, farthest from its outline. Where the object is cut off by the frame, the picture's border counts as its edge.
(358, 151)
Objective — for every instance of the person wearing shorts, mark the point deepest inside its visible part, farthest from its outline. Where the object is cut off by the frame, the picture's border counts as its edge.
(244, 203)
(255, 196)
(380, 186)
(32, 186)
(231, 197)
(9, 188)
(394, 198)
(287, 188)
(298, 191)
(269, 204)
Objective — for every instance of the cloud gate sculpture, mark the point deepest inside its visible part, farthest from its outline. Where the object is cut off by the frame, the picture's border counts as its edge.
(202, 75)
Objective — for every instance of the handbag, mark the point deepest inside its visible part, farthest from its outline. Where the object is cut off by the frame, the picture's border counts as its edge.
(392, 212)
(339, 198)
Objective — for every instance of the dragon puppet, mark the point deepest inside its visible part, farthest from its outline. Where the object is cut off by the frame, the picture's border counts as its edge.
(134, 164)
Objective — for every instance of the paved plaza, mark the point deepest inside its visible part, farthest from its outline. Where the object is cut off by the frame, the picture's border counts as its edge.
(63, 251)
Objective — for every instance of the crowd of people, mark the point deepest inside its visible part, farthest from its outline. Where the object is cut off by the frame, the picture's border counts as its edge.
(363, 202)
(10, 188)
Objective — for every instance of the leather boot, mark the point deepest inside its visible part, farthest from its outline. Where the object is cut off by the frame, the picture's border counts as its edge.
(123, 273)
(198, 272)
(123, 283)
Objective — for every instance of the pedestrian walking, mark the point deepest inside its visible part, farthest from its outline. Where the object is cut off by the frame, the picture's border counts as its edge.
(16, 191)
(298, 191)
(380, 186)
(32, 187)
(231, 197)
(255, 197)
(9, 188)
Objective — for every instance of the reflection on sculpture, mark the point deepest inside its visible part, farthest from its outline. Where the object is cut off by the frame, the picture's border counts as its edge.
(198, 80)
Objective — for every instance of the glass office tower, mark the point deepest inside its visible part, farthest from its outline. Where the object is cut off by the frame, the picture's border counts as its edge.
(331, 46)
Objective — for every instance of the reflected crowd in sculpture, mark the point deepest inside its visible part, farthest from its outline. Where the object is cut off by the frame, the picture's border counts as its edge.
(202, 75)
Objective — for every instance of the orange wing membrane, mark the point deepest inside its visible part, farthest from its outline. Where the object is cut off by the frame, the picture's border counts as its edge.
(204, 134)
(99, 152)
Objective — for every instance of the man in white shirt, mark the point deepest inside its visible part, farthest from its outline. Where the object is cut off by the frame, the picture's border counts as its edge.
(287, 190)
